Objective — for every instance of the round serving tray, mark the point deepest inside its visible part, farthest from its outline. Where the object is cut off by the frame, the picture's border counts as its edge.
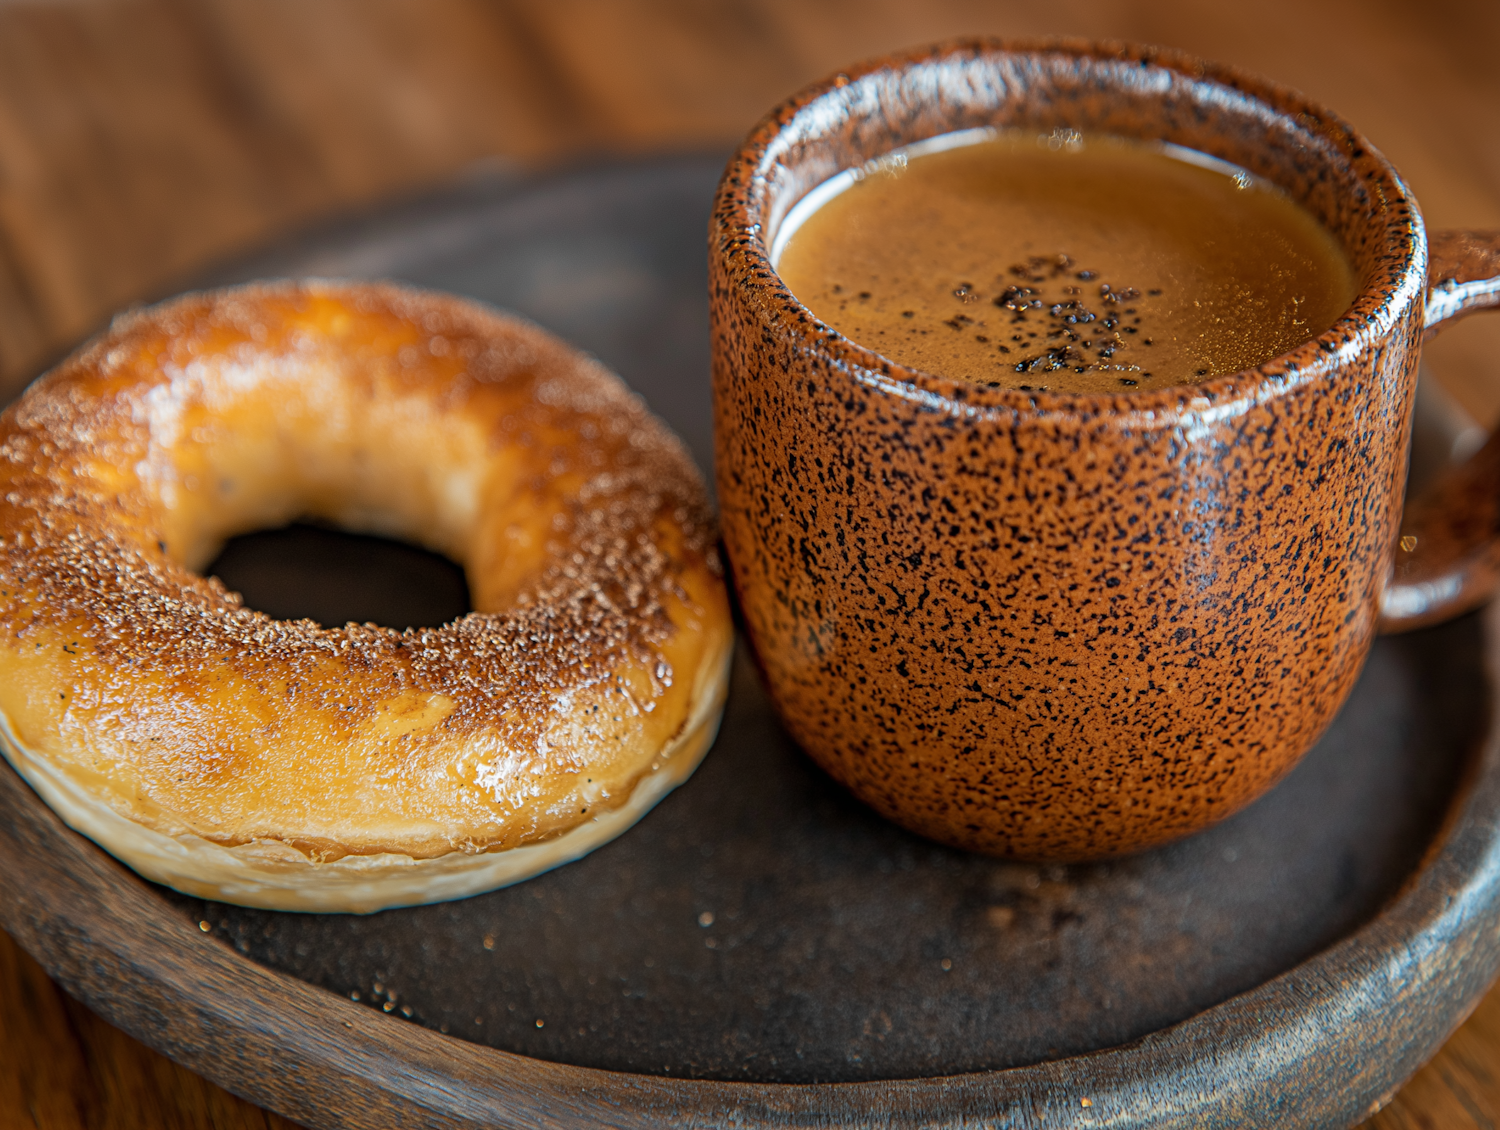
(761, 950)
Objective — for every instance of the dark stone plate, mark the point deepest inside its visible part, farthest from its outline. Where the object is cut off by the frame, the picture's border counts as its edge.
(760, 926)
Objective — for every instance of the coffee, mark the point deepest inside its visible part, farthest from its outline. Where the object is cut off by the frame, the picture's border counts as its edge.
(1063, 262)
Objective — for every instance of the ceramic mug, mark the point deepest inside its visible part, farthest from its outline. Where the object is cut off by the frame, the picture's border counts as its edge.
(1061, 626)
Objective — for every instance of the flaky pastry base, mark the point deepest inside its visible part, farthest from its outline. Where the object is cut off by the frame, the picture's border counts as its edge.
(271, 875)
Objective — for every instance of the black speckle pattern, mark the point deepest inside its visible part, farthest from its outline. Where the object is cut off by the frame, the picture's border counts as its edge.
(1052, 626)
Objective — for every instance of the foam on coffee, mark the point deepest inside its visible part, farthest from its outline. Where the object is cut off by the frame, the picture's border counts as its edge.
(1063, 262)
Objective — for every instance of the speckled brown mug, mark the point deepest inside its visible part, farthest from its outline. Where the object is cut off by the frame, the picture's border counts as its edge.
(1067, 626)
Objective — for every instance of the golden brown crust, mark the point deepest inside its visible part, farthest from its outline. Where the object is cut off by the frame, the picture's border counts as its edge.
(581, 523)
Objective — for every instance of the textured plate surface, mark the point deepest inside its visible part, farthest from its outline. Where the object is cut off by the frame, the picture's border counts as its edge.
(759, 925)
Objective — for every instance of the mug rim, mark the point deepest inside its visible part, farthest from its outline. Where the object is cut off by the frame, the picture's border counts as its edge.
(739, 237)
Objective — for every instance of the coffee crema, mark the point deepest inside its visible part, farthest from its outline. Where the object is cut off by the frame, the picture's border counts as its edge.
(1063, 262)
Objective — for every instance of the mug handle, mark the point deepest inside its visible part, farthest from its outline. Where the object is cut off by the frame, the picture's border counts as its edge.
(1448, 557)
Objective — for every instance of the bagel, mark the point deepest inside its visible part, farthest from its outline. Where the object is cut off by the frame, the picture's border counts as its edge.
(294, 766)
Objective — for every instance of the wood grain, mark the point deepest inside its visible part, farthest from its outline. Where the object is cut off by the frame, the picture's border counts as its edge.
(140, 139)
(65, 1068)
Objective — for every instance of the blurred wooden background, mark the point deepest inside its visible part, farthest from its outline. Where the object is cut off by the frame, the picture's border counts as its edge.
(142, 139)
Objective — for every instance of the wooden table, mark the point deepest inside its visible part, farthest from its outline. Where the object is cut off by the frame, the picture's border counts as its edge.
(141, 139)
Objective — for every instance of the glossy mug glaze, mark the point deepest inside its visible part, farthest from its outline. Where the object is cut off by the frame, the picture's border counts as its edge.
(1068, 626)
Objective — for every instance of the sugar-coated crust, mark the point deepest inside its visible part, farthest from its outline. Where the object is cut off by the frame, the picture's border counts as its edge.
(273, 876)
(136, 694)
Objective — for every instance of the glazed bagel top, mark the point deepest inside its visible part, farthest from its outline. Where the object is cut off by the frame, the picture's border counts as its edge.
(580, 521)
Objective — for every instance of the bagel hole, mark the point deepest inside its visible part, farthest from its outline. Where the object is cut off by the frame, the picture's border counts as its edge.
(314, 572)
